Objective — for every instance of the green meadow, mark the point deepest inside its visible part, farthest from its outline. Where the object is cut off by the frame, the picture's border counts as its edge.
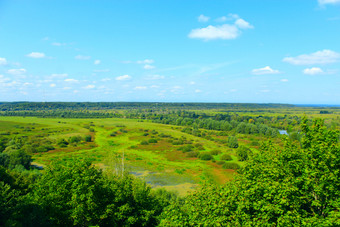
(118, 143)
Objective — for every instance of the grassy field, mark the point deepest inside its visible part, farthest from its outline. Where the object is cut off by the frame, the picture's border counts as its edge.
(161, 164)
(157, 153)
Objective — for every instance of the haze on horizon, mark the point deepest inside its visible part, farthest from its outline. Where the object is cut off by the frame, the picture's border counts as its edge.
(170, 51)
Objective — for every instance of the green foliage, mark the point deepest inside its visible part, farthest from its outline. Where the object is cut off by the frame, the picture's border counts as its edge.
(77, 193)
(74, 139)
(292, 186)
(232, 142)
(88, 138)
(205, 156)
(152, 140)
(193, 154)
(144, 142)
(243, 153)
(231, 165)
(62, 142)
(186, 148)
(226, 157)
(215, 152)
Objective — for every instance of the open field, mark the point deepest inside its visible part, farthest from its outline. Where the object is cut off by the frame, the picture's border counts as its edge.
(161, 164)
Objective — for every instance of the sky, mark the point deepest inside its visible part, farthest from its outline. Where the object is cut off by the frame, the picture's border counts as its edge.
(246, 51)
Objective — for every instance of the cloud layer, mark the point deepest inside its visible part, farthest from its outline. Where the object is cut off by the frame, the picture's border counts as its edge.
(224, 31)
(319, 57)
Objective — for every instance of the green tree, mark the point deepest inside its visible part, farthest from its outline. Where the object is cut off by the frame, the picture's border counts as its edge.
(232, 142)
(290, 186)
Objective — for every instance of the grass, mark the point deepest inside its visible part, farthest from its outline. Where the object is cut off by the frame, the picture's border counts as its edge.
(160, 164)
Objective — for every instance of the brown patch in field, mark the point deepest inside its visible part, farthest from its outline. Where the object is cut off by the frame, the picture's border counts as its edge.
(175, 156)
(161, 145)
(221, 175)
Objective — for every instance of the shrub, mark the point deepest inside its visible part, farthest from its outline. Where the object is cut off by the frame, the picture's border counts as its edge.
(88, 138)
(205, 156)
(192, 154)
(243, 153)
(113, 134)
(186, 148)
(220, 162)
(152, 141)
(231, 165)
(215, 152)
(226, 157)
(144, 142)
(232, 142)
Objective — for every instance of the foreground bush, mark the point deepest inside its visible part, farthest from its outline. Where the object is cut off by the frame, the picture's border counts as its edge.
(77, 193)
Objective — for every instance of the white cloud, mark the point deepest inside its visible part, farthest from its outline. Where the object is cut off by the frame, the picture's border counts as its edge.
(82, 57)
(154, 86)
(105, 79)
(225, 31)
(27, 84)
(146, 61)
(313, 71)
(149, 67)
(90, 86)
(36, 55)
(203, 18)
(16, 71)
(53, 85)
(3, 61)
(154, 77)
(198, 91)
(192, 82)
(265, 91)
(67, 88)
(96, 62)
(140, 88)
(324, 2)
(243, 24)
(264, 70)
(319, 57)
(284, 80)
(71, 80)
(124, 77)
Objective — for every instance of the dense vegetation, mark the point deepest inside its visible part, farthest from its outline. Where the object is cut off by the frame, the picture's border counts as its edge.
(284, 180)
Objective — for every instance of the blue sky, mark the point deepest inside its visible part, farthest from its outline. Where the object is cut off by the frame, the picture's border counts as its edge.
(260, 51)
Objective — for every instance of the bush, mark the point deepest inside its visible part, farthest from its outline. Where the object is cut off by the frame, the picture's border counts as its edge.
(243, 153)
(192, 154)
(88, 138)
(232, 142)
(226, 157)
(74, 139)
(205, 156)
(144, 142)
(186, 148)
(215, 152)
(220, 162)
(152, 141)
(231, 165)
(44, 148)
(62, 143)
(113, 134)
